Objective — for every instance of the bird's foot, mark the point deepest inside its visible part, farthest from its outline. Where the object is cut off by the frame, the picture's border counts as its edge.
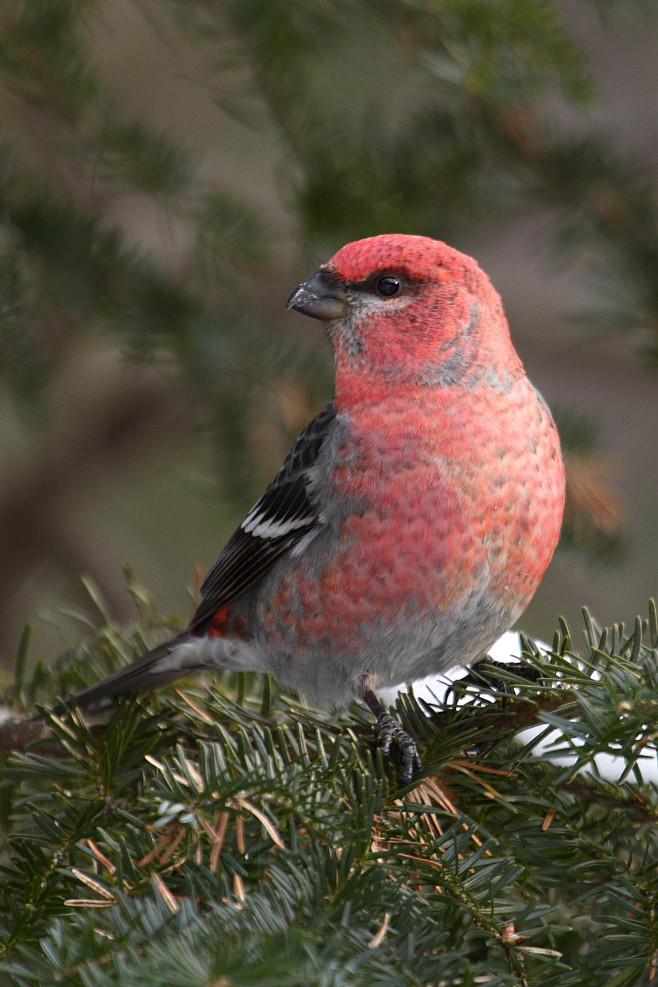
(485, 669)
(390, 729)
(482, 675)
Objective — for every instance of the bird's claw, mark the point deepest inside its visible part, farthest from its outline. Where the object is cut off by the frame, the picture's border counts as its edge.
(388, 728)
(484, 671)
(482, 675)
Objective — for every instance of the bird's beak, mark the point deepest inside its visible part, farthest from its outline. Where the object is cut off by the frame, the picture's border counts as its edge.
(321, 296)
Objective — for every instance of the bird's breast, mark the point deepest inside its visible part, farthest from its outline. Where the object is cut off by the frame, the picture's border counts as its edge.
(439, 523)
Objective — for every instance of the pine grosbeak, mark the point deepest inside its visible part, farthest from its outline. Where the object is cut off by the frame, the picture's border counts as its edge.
(413, 518)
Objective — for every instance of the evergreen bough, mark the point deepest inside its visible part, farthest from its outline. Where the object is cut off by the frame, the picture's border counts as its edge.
(228, 834)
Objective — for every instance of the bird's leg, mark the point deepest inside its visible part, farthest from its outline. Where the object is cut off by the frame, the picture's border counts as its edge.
(388, 728)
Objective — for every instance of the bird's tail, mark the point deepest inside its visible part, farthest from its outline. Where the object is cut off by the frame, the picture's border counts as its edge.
(156, 668)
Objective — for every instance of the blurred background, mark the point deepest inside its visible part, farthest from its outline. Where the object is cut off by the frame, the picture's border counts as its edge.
(170, 170)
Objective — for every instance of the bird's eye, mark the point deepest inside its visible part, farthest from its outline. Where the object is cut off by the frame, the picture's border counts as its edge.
(388, 286)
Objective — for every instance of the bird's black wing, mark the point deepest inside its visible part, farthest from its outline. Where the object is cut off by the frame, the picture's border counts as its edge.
(275, 524)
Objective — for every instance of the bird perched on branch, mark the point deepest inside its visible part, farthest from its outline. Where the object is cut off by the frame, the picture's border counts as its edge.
(413, 518)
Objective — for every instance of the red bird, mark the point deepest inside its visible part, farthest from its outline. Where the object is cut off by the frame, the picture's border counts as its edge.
(413, 518)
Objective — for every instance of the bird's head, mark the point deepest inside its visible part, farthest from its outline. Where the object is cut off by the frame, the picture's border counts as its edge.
(409, 309)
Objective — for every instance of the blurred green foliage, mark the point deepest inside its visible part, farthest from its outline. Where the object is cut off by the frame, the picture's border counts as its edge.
(452, 122)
